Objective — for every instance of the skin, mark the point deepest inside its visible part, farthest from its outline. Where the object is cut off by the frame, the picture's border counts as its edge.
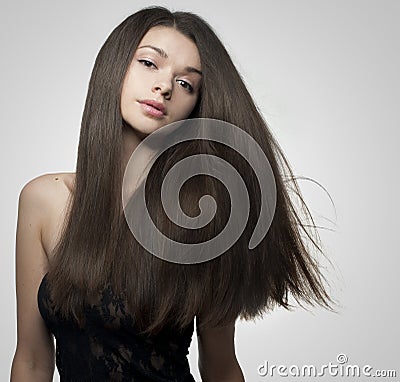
(163, 79)
(42, 209)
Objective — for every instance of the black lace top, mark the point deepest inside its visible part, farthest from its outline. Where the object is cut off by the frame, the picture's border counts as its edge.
(110, 349)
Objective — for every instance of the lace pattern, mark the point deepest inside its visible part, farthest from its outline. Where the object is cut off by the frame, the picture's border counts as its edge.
(109, 347)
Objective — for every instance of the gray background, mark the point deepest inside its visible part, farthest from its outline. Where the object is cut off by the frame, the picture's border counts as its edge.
(325, 76)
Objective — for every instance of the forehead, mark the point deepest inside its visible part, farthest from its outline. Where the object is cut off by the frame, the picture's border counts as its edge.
(175, 44)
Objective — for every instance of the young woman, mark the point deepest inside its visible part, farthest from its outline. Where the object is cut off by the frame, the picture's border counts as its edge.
(117, 312)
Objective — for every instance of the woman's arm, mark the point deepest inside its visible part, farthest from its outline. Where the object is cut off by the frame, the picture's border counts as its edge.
(217, 358)
(34, 356)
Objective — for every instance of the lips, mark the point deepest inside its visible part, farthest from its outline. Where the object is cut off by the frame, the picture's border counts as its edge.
(157, 105)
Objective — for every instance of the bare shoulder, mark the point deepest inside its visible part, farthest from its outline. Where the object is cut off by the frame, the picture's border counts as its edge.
(40, 201)
(44, 198)
(48, 186)
(35, 198)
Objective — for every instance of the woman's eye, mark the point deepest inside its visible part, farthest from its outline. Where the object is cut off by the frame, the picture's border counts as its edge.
(147, 63)
(186, 85)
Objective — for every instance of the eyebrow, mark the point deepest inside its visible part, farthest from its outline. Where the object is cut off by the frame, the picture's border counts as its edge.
(163, 54)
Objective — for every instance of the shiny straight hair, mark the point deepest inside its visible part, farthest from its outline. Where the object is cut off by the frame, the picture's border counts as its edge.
(96, 246)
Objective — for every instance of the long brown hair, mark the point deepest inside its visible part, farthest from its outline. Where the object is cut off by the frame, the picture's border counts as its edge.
(96, 246)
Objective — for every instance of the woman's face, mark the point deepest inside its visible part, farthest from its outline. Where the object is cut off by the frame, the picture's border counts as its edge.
(166, 70)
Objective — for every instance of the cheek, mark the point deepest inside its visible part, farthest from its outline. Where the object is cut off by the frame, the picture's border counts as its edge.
(125, 92)
(133, 83)
(186, 107)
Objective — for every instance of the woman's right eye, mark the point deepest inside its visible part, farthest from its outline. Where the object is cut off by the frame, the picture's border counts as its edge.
(147, 63)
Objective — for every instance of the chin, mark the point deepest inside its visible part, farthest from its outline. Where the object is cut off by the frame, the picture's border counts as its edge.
(144, 132)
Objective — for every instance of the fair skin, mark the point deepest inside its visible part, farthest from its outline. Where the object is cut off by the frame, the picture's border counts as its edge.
(42, 208)
(165, 68)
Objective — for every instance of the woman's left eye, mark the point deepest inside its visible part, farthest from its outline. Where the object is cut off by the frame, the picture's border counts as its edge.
(186, 85)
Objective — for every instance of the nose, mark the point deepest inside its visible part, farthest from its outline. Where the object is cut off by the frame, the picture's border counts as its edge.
(164, 86)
